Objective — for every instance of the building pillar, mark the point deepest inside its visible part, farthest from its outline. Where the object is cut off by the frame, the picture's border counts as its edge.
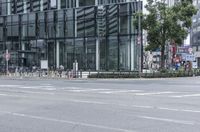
(132, 50)
(97, 54)
(59, 4)
(25, 10)
(96, 2)
(77, 3)
(8, 8)
(57, 54)
(23, 48)
(41, 5)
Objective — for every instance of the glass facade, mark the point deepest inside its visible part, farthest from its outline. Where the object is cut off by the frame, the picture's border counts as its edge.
(99, 37)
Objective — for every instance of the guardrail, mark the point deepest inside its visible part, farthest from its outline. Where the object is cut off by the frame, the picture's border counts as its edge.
(68, 74)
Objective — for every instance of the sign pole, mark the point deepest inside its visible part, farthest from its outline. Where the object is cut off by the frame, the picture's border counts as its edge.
(7, 62)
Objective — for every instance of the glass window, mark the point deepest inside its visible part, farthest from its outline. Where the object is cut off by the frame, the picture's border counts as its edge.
(36, 5)
(51, 26)
(86, 2)
(3, 8)
(70, 3)
(60, 24)
(1, 29)
(24, 26)
(45, 5)
(91, 53)
(80, 53)
(63, 3)
(90, 22)
(124, 53)
(15, 25)
(20, 6)
(112, 53)
(69, 54)
(69, 29)
(112, 19)
(41, 25)
(9, 27)
(31, 25)
(80, 22)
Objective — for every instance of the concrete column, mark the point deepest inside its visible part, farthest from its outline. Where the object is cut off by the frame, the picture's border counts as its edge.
(97, 54)
(8, 7)
(96, 2)
(41, 5)
(59, 4)
(25, 6)
(132, 57)
(23, 48)
(75, 24)
(57, 54)
(77, 3)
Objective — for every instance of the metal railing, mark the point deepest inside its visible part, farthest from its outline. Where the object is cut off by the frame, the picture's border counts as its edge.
(27, 73)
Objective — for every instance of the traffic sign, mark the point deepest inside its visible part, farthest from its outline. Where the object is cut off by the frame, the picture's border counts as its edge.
(190, 50)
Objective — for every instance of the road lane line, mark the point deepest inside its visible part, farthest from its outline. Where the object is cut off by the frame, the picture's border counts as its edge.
(155, 93)
(187, 95)
(179, 110)
(105, 103)
(119, 91)
(26, 91)
(66, 121)
(10, 85)
(170, 120)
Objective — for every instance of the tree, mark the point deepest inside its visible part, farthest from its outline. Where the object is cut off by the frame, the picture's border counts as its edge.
(167, 24)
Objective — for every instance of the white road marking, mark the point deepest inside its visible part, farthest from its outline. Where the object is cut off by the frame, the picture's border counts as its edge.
(26, 91)
(10, 85)
(47, 84)
(14, 95)
(155, 93)
(170, 120)
(119, 91)
(105, 103)
(179, 110)
(66, 121)
(35, 87)
(187, 95)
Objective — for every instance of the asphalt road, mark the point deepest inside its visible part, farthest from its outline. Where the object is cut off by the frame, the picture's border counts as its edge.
(153, 105)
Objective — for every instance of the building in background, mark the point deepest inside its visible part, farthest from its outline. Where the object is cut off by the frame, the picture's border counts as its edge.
(195, 33)
(98, 34)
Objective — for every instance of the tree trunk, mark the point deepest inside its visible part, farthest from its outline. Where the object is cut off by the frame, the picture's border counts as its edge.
(162, 61)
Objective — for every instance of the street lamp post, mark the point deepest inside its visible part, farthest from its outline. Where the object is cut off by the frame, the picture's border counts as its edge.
(139, 39)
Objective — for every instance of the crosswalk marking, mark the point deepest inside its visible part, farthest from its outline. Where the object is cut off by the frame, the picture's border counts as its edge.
(135, 92)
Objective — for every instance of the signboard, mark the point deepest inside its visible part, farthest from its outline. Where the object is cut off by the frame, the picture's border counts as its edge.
(188, 57)
(197, 54)
(44, 64)
(184, 49)
(190, 50)
(194, 65)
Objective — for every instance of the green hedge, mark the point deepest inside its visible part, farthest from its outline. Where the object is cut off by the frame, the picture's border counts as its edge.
(144, 75)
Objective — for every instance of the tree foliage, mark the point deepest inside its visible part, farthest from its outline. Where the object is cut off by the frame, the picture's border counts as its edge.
(167, 24)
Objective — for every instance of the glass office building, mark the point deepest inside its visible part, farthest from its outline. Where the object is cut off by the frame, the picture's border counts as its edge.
(99, 34)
